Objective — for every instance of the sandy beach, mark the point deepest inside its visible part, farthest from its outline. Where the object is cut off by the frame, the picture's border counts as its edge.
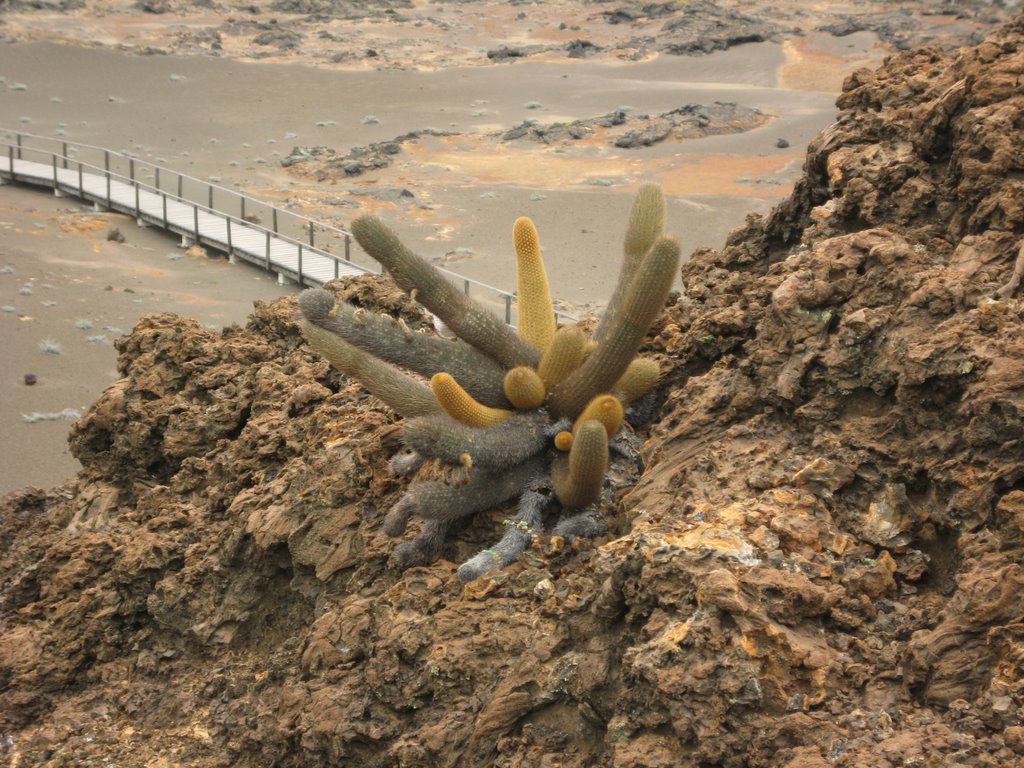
(226, 94)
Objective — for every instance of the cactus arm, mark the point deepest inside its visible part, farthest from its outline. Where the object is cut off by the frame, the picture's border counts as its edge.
(461, 406)
(506, 445)
(425, 548)
(606, 409)
(524, 388)
(519, 532)
(646, 223)
(626, 331)
(401, 392)
(640, 378)
(564, 355)
(470, 321)
(437, 500)
(536, 310)
(421, 353)
(582, 525)
(578, 477)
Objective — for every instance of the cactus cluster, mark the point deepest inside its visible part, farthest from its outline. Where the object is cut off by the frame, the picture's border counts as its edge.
(500, 413)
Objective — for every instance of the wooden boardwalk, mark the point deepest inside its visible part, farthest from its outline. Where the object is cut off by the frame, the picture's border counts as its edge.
(275, 252)
(203, 212)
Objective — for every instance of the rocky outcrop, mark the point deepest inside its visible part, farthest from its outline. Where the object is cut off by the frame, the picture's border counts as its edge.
(821, 564)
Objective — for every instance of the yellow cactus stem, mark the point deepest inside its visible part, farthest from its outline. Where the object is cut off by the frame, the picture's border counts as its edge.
(563, 356)
(536, 310)
(640, 378)
(577, 478)
(461, 406)
(606, 409)
(563, 441)
(524, 388)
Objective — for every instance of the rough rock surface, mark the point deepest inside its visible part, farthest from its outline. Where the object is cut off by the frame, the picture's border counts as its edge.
(821, 565)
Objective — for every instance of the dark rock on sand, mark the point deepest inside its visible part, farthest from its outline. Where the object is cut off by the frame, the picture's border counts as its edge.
(627, 131)
(327, 163)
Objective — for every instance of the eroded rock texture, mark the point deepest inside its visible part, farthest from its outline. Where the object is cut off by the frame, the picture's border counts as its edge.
(821, 565)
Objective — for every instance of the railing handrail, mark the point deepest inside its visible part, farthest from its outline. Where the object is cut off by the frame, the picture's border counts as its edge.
(63, 156)
(107, 173)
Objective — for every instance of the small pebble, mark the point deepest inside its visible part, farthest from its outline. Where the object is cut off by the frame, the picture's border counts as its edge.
(30, 379)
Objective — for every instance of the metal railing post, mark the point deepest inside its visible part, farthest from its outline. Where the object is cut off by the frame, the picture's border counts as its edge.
(55, 172)
(64, 150)
(165, 209)
(138, 210)
(268, 251)
(508, 309)
(157, 181)
(81, 188)
(19, 146)
(465, 287)
(273, 217)
(311, 233)
(209, 200)
(106, 160)
(348, 247)
(107, 174)
(230, 249)
(179, 186)
(241, 208)
(336, 267)
(131, 168)
(195, 220)
(10, 159)
(300, 263)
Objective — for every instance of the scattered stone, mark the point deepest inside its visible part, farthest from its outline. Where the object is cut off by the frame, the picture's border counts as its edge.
(579, 49)
(115, 236)
(782, 144)
(30, 379)
(505, 53)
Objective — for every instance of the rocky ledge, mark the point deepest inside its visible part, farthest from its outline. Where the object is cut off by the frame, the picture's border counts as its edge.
(820, 566)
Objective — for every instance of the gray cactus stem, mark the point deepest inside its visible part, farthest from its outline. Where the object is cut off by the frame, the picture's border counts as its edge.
(519, 532)
(386, 338)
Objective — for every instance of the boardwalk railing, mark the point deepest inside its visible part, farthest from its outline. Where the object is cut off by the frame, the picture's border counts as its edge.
(295, 247)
